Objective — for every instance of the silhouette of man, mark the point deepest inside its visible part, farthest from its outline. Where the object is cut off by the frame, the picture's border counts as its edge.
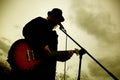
(43, 39)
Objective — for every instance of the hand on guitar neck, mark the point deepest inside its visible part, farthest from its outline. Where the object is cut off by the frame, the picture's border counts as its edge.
(24, 58)
(70, 52)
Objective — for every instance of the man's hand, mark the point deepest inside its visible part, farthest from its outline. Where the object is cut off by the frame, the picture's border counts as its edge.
(70, 53)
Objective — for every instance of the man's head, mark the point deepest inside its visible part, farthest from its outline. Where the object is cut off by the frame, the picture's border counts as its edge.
(55, 15)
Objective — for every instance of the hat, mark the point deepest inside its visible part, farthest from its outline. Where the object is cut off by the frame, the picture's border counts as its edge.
(57, 13)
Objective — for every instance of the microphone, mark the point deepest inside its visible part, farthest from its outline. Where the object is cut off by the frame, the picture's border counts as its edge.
(61, 27)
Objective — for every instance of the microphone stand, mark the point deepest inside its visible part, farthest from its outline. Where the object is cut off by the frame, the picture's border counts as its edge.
(83, 51)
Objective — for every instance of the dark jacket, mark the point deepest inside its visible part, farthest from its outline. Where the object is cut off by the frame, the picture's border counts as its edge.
(38, 33)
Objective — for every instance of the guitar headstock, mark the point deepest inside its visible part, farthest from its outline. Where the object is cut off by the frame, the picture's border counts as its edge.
(77, 51)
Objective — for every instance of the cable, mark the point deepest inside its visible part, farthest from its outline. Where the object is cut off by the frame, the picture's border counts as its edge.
(65, 61)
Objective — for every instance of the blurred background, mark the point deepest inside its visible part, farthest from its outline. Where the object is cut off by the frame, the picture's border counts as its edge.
(94, 24)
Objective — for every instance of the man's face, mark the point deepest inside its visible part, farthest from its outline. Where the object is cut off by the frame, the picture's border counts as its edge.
(54, 20)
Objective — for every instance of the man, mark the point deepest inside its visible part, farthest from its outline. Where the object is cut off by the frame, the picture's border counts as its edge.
(43, 40)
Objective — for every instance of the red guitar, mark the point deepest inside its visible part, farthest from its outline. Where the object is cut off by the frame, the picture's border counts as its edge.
(23, 55)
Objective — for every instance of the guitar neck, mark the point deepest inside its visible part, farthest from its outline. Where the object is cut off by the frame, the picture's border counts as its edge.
(63, 52)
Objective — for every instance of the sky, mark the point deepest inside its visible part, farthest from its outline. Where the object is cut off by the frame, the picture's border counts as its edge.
(94, 24)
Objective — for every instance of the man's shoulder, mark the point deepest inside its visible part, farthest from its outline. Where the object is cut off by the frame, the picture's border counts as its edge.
(40, 19)
(37, 21)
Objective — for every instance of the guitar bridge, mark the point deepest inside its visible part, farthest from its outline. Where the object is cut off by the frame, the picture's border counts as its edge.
(30, 55)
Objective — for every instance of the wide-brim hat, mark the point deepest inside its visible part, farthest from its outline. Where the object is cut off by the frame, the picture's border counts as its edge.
(56, 13)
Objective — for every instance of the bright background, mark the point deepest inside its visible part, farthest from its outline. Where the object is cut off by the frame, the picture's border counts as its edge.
(94, 24)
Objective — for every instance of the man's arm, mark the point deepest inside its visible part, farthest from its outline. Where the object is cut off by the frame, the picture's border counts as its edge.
(58, 55)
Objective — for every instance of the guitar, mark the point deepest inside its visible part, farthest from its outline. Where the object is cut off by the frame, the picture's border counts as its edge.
(23, 55)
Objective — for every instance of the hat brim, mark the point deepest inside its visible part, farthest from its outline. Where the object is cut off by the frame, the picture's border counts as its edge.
(61, 18)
